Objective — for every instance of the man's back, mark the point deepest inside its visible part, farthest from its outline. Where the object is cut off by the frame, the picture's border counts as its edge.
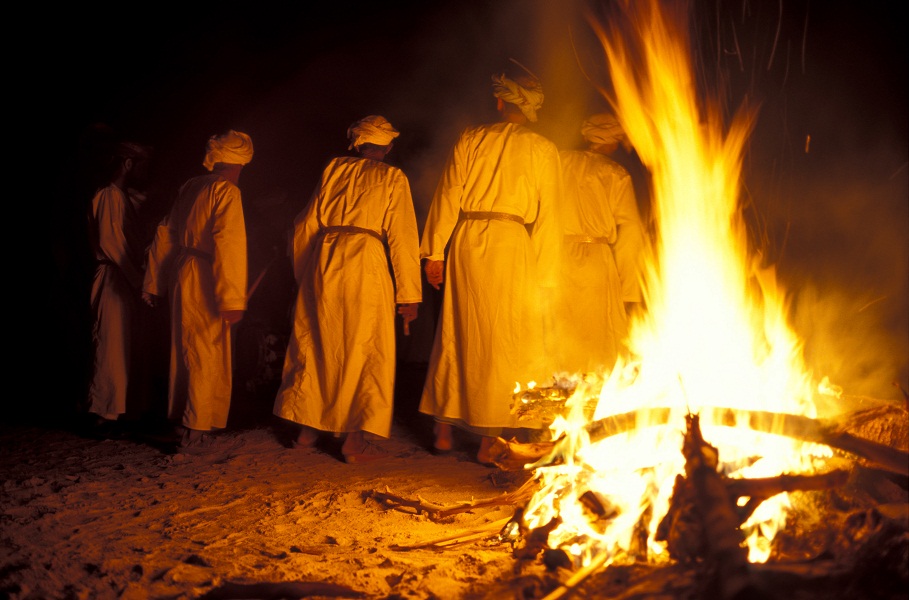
(505, 166)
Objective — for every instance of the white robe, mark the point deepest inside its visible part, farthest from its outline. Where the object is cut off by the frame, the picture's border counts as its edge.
(114, 234)
(602, 272)
(198, 257)
(339, 369)
(490, 332)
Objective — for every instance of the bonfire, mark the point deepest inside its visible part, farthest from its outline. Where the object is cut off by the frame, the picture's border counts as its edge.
(689, 450)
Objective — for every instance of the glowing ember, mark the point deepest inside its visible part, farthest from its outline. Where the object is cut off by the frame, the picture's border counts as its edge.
(715, 334)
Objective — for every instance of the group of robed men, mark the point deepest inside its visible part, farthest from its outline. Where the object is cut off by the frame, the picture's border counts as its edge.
(537, 252)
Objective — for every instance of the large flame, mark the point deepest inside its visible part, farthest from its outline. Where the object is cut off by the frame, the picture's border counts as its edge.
(715, 333)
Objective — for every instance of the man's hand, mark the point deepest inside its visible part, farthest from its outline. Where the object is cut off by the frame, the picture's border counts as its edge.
(232, 316)
(435, 272)
(409, 313)
(150, 299)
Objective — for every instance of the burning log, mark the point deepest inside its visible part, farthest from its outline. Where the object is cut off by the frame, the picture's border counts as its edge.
(758, 490)
(511, 455)
(702, 522)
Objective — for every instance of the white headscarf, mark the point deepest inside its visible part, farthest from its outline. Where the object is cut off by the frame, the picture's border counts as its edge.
(233, 148)
(528, 97)
(374, 129)
(603, 128)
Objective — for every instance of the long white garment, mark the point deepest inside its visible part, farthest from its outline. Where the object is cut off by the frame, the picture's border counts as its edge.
(198, 257)
(113, 231)
(339, 369)
(490, 332)
(602, 261)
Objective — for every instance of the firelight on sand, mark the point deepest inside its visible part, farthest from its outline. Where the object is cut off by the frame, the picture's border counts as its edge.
(715, 333)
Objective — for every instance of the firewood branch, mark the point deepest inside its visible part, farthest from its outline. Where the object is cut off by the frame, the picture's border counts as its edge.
(459, 539)
(511, 455)
(438, 511)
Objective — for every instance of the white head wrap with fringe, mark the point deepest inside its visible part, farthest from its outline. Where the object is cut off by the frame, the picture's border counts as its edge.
(374, 129)
(233, 148)
(603, 128)
(527, 95)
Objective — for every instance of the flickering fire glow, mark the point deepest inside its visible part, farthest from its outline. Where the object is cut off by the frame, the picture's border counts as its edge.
(715, 333)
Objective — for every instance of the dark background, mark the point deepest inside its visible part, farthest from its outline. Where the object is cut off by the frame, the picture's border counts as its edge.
(835, 219)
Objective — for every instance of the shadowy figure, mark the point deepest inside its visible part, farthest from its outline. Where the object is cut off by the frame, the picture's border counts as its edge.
(116, 242)
(198, 259)
(603, 245)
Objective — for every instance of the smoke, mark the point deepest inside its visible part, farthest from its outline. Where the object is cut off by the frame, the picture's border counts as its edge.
(846, 264)
(826, 183)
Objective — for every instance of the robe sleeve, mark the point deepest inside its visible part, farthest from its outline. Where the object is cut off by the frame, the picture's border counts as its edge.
(229, 256)
(629, 246)
(403, 242)
(306, 226)
(160, 257)
(446, 205)
(547, 229)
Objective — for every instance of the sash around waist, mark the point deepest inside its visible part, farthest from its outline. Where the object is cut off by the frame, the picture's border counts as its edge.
(350, 229)
(586, 239)
(485, 215)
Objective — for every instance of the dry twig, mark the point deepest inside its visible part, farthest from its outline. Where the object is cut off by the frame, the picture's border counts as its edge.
(459, 539)
(438, 511)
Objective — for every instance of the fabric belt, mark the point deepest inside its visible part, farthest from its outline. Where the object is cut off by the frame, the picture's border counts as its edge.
(586, 239)
(351, 229)
(483, 215)
(197, 253)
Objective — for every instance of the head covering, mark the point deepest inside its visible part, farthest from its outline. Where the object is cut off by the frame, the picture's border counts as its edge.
(233, 148)
(132, 150)
(374, 129)
(524, 91)
(603, 128)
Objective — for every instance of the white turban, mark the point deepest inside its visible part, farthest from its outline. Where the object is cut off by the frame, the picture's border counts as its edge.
(603, 128)
(233, 148)
(527, 97)
(373, 129)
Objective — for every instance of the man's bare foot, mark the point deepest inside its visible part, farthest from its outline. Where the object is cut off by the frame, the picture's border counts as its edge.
(356, 449)
(444, 441)
(484, 454)
(306, 437)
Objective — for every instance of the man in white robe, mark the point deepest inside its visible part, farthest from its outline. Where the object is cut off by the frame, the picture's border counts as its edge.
(340, 365)
(500, 179)
(198, 259)
(603, 245)
(115, 237)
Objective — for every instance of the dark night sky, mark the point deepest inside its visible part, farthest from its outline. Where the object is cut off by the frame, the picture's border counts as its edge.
(295, 76)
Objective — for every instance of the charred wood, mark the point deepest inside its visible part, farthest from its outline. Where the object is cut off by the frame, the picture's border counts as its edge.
(706, 513)
(759, 489)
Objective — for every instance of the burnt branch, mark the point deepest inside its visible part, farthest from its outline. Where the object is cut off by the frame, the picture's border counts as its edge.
(511, 455)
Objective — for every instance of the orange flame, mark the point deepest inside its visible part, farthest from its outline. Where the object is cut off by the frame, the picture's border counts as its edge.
(715, 333)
